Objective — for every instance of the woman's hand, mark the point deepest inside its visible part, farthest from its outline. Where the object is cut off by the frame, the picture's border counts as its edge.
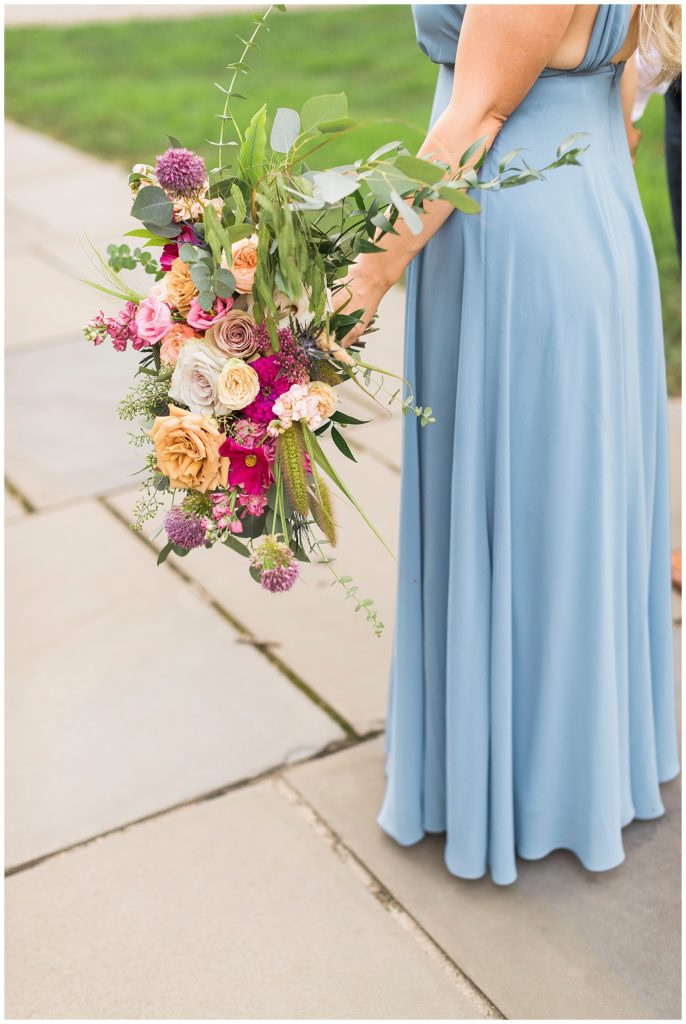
(360, 289)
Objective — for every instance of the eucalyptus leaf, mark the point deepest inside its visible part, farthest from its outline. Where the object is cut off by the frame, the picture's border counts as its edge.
(423, 170)
(224, 283)
(165, 552)
(569, 142)
(325, 108)
(408, 213)
(152, 205)
(332, 186)
(336, 124)
(388, 147)
(236, 545)
(285, 129)
(165, 231)
(459, 198)
(472, 150)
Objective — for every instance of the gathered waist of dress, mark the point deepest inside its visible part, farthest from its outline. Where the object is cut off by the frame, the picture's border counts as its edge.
(555, 107)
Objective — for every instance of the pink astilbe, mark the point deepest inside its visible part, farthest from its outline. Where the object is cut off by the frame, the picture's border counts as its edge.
(122, 328)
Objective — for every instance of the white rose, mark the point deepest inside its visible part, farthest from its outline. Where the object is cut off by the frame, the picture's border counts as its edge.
(195, 377)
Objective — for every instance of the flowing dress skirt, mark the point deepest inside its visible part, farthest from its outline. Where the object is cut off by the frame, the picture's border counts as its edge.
(531, 702)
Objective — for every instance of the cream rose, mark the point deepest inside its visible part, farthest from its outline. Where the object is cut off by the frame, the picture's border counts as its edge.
(237, 386)
(187, 450)
(234, 334)
(194, 381)
(325, 398)
(244, 262)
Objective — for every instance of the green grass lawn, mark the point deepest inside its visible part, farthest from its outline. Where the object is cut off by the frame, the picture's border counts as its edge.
(114, 89)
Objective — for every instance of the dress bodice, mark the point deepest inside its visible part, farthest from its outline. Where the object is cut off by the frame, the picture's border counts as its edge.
(437, 27)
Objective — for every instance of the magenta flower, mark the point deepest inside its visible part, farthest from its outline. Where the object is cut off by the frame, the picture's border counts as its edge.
(248, 467)
(272, 384)
(170, 251)
(181, 172)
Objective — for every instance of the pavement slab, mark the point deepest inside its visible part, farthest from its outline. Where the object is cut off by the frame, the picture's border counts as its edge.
(63, 438)
(13, 508)
(562, 942)
(127, 693)
(229, 909)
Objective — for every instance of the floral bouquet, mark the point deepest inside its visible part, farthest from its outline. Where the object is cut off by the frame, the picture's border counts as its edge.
(239, 380)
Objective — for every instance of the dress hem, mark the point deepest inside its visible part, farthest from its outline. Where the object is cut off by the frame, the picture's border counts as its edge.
(468, 875)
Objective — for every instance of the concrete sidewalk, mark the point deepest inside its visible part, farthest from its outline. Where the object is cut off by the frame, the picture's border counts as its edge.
(186, 843)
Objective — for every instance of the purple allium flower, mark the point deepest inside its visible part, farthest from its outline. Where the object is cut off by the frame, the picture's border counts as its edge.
(276, 564)
(279, 579)
(180, 172)
(186, 531)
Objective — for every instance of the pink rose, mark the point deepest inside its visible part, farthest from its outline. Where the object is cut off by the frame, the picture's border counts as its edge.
(153, 319)
(202, 321)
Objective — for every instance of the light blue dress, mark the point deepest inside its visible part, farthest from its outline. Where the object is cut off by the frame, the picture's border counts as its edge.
(531, 703)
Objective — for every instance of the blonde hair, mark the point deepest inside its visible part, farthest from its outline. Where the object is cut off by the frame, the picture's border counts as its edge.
(659, 39)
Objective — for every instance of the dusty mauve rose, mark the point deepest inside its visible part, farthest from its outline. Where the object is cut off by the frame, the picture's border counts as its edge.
(237, 386)
(153, 319)
(244, 262)
(171, 343)
(187, 450)
(194, 381)
(179, 290)
(233, 334)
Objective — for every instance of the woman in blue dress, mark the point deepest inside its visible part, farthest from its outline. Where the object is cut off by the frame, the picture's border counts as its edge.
(531, 703)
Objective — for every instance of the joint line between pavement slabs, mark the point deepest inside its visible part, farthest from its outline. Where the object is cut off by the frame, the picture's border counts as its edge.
(246, 635)
(482, 1005)
(273, 773)
(22, 500)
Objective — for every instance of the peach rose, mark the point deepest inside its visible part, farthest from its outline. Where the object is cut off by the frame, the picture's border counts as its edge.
(233, 334)
(237, 386)
(187, 450)
(179, 289)
(244, 262)
(172, 341)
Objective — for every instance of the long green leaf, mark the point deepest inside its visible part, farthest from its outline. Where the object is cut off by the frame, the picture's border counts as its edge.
(317, 454)
(252, 152)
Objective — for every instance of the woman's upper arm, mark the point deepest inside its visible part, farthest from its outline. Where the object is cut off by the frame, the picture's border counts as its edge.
(501, 52)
